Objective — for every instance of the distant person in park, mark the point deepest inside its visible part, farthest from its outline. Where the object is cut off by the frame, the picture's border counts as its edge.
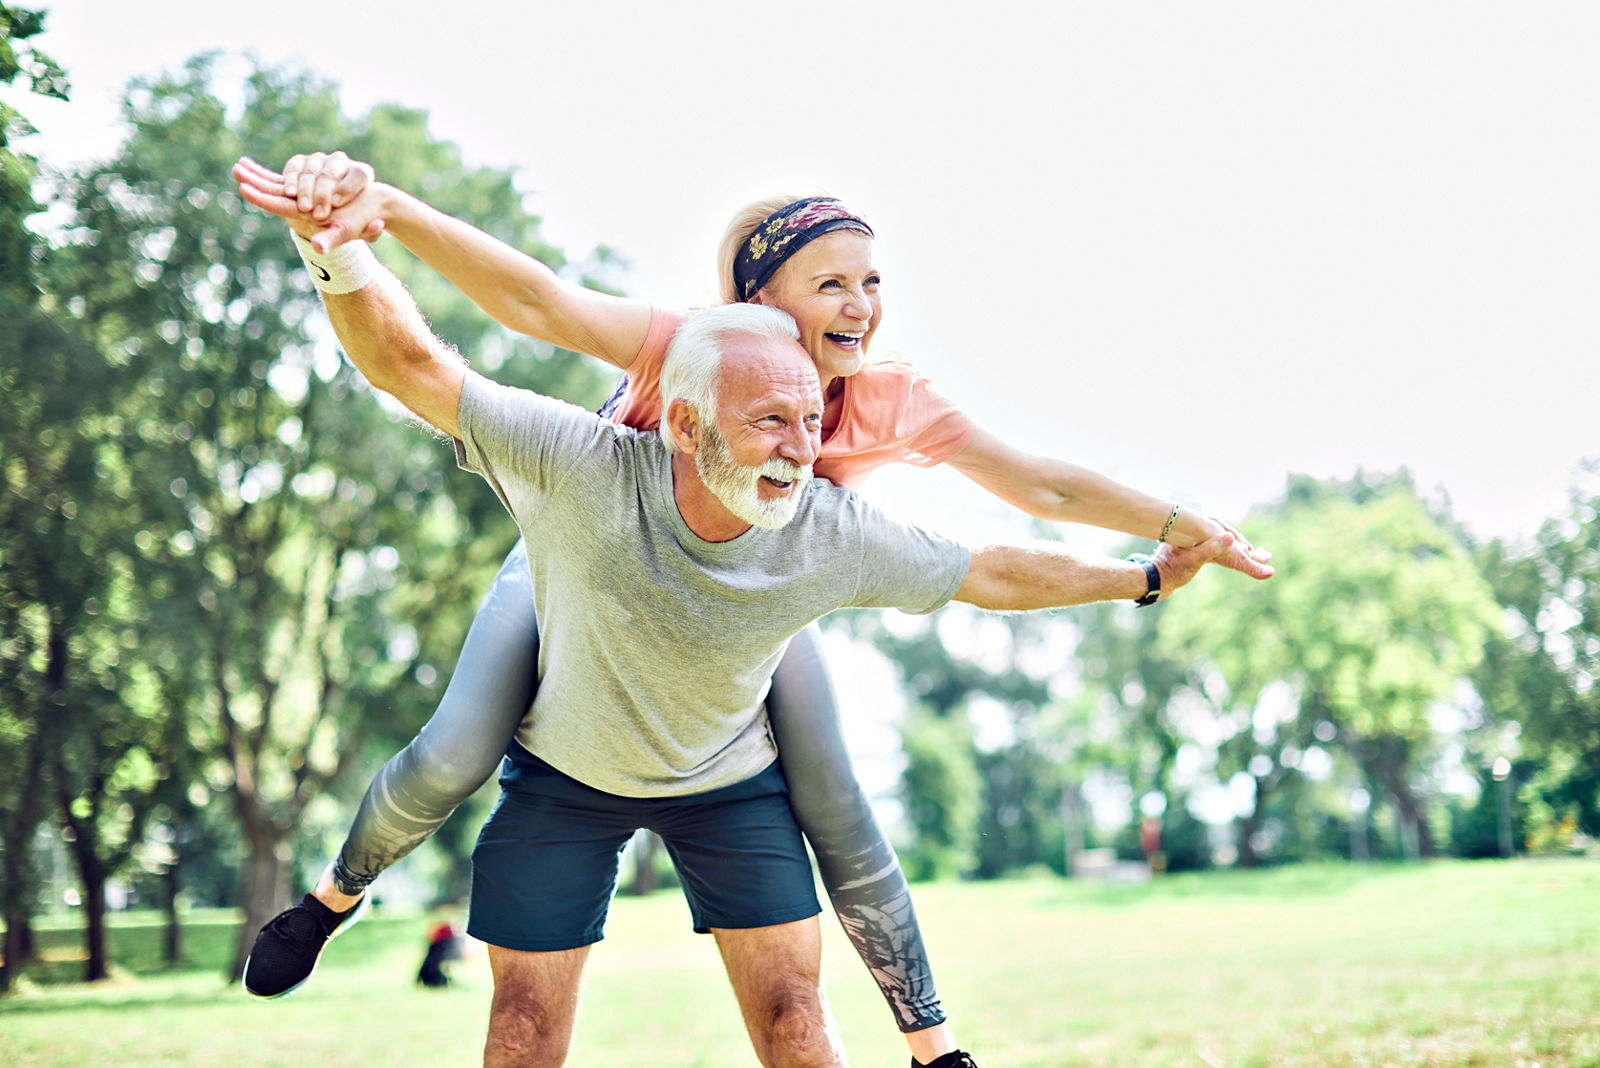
(444, 946)
(811, 258)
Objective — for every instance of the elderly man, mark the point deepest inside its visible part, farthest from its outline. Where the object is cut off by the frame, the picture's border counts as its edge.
(669, 571)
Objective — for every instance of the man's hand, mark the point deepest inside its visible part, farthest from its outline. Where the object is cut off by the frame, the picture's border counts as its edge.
(361, 216)
(1177, 566)
(1245, 558)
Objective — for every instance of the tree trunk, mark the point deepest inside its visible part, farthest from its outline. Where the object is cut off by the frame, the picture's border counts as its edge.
(16, 893)
(171, 884)
(263, 887)
(1413, 814)
(19, 826)
(18, 948)
(1248, 858)
(98, 966)
(1411, 808)
(92, 881)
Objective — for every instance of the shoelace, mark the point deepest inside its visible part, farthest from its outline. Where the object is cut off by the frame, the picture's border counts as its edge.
(284, 925)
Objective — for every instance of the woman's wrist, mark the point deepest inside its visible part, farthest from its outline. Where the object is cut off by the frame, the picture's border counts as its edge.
(397, 208)
(1190, 528)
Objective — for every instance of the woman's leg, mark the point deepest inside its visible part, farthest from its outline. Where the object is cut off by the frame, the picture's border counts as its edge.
(461, 745)
(858, 866)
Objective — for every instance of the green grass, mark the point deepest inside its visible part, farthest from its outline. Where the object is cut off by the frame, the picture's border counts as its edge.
(1488, 964)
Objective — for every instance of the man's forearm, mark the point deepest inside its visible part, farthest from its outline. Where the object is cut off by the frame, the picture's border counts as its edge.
(387, 339)
(1010, 578)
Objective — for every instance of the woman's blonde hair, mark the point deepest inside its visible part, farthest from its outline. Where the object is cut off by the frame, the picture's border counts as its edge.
(740, 227)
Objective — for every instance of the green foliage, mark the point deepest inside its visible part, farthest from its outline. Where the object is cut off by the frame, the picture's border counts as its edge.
(1541, 674)
(240, 564)
(1378, 612)
(942, 791)
(1021, 820)
(1010, 671)
(19, 60)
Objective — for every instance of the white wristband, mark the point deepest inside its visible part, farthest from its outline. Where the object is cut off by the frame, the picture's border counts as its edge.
(343, 270)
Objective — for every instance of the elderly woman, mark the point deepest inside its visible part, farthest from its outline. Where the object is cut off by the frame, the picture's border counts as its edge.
(810, 257)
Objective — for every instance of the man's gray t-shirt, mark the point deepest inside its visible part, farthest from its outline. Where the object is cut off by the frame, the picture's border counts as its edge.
(656, 647)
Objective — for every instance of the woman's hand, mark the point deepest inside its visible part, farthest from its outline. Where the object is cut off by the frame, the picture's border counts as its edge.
(1243, 557)
(359, 216)
(319, 182)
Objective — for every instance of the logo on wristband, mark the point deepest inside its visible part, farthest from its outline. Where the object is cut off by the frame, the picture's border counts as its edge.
(322, 271)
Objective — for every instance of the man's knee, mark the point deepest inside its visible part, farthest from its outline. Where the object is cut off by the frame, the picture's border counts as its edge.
(525, 1035)
(534, 1007)
(798, 1027)
(792, 1027)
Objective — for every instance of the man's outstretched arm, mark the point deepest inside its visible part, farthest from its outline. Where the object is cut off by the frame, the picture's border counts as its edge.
(514, 288)
(1009, 578)
(387, 339)
(381, 329)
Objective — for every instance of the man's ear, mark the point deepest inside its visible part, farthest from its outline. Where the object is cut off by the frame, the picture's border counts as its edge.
(683, 423)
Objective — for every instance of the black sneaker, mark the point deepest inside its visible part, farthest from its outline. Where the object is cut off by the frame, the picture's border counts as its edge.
(286, 950)
(958, 1059)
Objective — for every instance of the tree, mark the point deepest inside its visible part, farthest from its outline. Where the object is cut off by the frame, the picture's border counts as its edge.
(1376, 616)
(943, 796)
(295, 537)
(32, 642)
(1541, 674)
(1009, 818)
(20, 60)
(1132, 723)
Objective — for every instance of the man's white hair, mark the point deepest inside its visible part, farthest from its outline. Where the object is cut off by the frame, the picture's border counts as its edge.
(694, 358)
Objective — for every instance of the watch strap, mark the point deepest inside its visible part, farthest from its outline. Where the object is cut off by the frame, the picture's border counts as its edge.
(1152, 577)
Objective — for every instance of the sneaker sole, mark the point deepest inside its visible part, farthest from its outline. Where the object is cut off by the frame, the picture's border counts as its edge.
(354, 918)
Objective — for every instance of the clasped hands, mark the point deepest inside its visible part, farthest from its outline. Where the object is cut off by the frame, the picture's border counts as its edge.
(326, 196)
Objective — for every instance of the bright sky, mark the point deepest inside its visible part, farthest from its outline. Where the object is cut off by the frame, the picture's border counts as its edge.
(1195, 246)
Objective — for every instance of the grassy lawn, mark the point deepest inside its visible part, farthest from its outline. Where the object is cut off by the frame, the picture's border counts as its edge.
(1491, 964)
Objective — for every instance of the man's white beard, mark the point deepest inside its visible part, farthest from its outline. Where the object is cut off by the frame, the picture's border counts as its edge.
(735, 485)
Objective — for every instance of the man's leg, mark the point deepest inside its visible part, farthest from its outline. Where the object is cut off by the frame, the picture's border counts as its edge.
(777, 976)
(534, 1007)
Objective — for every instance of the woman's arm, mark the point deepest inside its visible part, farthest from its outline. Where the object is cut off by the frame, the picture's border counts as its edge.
(515, 289)
(1054, 489)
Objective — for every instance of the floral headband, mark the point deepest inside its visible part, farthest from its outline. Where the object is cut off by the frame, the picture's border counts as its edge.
(785, 232)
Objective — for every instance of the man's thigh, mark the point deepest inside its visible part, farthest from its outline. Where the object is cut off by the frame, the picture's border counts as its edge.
(739, 854)
(545, 865)
(535, 1006)
(776, 974)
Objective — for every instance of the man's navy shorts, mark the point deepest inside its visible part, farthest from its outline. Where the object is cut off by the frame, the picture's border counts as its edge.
(545, 866)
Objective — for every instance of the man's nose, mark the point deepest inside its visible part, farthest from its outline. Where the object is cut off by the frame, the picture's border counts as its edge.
(800, 444)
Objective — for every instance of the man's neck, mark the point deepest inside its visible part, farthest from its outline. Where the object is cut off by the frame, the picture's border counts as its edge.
(702, 511)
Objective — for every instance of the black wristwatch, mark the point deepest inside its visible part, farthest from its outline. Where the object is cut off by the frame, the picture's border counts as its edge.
(1151, 575)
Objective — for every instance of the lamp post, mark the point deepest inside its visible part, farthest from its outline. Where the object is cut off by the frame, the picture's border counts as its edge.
(1502, 776)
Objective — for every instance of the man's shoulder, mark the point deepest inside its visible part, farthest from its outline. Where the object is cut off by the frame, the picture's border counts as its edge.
(829, 504)
(491, 398)
(512, 428)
